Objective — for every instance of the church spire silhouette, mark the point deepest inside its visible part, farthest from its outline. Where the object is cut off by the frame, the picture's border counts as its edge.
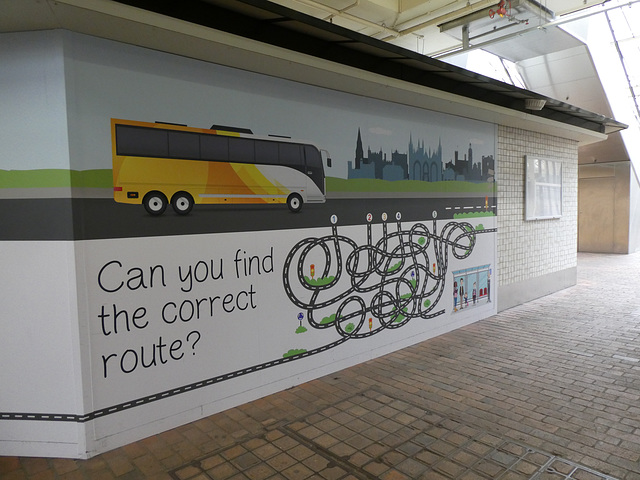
(359, 151)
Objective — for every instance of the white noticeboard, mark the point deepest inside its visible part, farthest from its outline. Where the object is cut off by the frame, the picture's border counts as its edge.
(543, 190)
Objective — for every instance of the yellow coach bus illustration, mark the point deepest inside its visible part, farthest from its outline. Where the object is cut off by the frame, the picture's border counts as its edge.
(157, 164)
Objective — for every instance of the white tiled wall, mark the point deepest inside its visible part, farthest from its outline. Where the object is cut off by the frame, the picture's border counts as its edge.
(530, 249)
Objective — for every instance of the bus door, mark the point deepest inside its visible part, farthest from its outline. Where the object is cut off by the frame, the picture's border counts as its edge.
(314, 168)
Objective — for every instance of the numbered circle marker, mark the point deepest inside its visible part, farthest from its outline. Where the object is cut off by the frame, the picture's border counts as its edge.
(334, 219)
(435, 214)
(398, 216)
(369, 217)
(384, 217)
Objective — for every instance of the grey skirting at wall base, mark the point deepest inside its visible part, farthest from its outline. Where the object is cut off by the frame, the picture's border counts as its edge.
(527, 290)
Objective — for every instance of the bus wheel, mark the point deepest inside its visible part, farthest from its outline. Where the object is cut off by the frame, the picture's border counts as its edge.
(155, 203)
(294, 202)
(182, 203)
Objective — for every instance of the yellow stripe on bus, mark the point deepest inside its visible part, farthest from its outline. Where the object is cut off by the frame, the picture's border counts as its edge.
(256, 180)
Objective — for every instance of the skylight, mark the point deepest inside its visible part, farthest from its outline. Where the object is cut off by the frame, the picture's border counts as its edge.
(624, 23)
(490, 65)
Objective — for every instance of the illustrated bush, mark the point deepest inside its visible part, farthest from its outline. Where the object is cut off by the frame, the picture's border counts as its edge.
(394, 267)
(319, 282)
(293, 352)
(330, 319)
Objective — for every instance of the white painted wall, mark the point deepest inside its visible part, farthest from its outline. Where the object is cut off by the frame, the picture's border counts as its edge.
(33, 124)
(39, 347)
(39, 344)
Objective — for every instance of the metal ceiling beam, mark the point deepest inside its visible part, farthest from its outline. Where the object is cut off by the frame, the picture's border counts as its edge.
(427, 20)
(342, 13)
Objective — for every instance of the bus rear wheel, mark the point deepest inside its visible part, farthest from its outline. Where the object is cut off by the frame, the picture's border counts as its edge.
(294, 202)
(182, 203)
(155, 203)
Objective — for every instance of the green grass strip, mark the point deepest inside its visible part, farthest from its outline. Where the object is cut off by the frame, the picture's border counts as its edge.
(473, 215)
(56, 178)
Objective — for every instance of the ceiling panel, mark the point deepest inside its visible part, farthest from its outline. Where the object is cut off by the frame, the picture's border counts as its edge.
(569, 76)
(533, 44)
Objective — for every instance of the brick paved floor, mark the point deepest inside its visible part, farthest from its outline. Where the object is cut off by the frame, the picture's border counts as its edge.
(546, 390)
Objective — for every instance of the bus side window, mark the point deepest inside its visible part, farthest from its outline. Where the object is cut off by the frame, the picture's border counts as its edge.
(184, 145)
(267, 152)
(214, 147)
(141, 142)
(241, 150)
(312, 155)
(291, 156)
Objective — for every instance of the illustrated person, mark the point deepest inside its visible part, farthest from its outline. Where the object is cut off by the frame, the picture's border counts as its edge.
(461, 292)
(455, 296)
(474, 292)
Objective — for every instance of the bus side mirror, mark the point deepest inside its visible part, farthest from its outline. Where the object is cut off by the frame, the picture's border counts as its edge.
(325, 154)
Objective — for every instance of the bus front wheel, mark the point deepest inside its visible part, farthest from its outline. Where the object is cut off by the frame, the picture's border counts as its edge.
(294, 202)
(155, 203)
(182, 203)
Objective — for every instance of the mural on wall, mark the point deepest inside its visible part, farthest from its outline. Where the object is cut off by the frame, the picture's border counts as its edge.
(155, 164)
(421, 164)
(229, 307)
(160, 164)
(229, 294)
(361, 290)
(154, 313)
(343, 286)
(471, 286)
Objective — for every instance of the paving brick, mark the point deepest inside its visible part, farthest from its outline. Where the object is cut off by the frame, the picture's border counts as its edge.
(297, 472)
(32, 466)
(222, 471)
(316, 462)
(333, 473)
(74, 475)
(376, 468)
(63, 465)
(260, 472)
